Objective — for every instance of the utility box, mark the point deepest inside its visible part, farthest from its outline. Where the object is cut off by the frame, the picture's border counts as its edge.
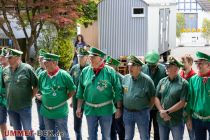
(136, 26)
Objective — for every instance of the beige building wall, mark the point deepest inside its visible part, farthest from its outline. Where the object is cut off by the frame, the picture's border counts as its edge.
(90, 34)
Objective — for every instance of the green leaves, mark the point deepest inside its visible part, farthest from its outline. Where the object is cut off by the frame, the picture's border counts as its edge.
(180, 24)
(89, 13)
(206, 26)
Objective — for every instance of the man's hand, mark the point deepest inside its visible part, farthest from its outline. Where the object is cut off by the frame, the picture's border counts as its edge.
(79, 112)
(71, 103)
(164, 115)
(118, 114)
(189, 123)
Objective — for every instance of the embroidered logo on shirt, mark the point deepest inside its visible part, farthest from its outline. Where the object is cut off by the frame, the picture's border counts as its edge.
(125, 89)
(75, 74)
(162, 88)
(6, 77)
(19, 78)
(102, 85)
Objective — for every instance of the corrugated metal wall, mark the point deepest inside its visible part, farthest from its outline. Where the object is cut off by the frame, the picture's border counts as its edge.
(120, 34)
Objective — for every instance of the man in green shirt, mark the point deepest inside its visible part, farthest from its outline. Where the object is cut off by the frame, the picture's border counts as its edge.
(56, 86)
(117, 124)
(199, 98)
(38, 71)
(170, 100)
(75, 73)
(99, 87)
(156, 72)
(138, 98)
(21, 86)
(3, 109)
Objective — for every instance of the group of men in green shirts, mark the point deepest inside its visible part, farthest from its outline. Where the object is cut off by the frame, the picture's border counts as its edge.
(106, 97)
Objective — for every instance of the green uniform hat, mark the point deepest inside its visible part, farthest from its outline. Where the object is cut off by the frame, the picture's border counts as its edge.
(202, 56)
(42, 52)
(3, 52)
(82, 52)
(13, 52)
(51, 57)
(152, 57)
(96, 52)
(174, 61)
(134, 61)
(112, 61)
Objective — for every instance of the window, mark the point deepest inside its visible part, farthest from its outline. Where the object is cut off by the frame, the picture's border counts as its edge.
(188, 6)
(191, 21)
(137, 12)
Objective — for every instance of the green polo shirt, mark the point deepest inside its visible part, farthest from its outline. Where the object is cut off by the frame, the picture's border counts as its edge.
(75, 73)
(169, 93)
(100, 88)
(19, 86)
(2, 89)
(39, 70)
(159, 74)
(199, 99)
(55, 90)
(120, 76)
(137, 92)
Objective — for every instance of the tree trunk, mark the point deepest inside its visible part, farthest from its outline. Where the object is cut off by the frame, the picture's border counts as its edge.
(27, 56)
(16, 44)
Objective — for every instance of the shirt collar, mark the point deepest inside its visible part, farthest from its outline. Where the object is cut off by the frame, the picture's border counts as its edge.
(16, 67)
(175, 79)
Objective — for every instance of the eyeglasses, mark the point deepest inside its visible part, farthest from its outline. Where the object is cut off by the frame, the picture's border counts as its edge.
(201, 63)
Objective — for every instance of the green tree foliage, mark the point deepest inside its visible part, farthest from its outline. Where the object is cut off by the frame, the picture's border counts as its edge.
(180, 24)
(89, 13)
(206, 27)
(65, 48)
(58, 42)
(32, 14)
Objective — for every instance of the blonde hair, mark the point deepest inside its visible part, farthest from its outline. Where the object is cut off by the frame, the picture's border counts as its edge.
(188, 58)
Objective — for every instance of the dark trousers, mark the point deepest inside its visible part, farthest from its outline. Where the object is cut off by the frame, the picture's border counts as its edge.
(77, 125)
(153, 119)
(117, 128)
(201, 127)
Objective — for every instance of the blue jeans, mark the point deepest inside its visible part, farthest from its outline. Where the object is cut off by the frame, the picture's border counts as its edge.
(21, 118)
(61, 124)
(104, 121)
(141, 118)
(177, 131)
(201, 128)
(77, 125)
(41, 119)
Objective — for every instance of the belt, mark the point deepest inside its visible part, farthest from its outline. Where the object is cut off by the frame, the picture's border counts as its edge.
(201, 117)
(54, 107)
(99, 105)
(132, 110)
